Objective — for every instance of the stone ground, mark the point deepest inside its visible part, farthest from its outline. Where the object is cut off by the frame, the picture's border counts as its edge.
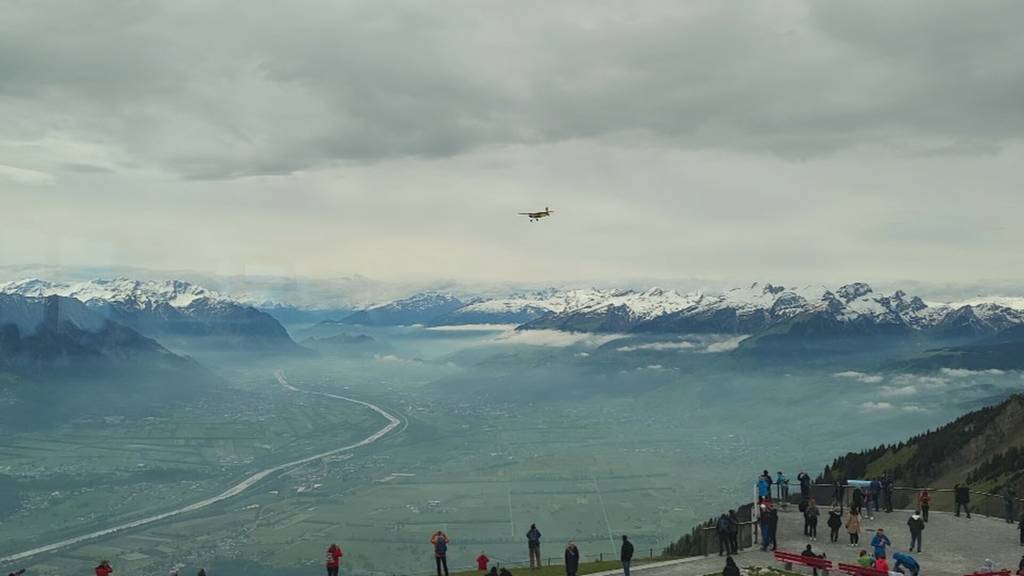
(952, 546)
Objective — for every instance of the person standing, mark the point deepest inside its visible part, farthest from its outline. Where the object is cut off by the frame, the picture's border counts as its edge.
(875, 488)
(773, 527)
(1020, 528)
(853, 527)
(626, 555)
(805, 485)
(764, 493)
(812, 514)
(722, 531)
(838, 494)
(482, 561)
(334, 555)
(533, 543)
(572, 559)
(906, 561)
(924, 503)
(104, 569)
(916, 525)
(835, 522)
(857, 500)
(880, 542)
(440, 541)
(782, 486)
(734, 532)
(962, 495)
(888, 488)
(762, 522)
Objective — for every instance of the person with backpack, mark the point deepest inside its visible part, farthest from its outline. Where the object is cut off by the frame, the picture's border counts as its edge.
(811, 516)
(762, 523)
(334, 555)
(572, 559)
(734, 532)
(906, 561)
(880, 542)
(722, 530)
(916, 525)
(104, 569)
(802, 508)
(924, 503)
(626, 555)
(493, 571)
(835, 522)
(533, 544)
(440, 541)
(782, 485)
(853, 527)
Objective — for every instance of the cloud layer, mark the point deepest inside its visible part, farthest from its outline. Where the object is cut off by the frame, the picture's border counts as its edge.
(401, 137)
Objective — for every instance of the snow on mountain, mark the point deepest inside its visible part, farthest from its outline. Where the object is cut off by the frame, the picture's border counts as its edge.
(168, 309)
(139, 294)
(417, 309)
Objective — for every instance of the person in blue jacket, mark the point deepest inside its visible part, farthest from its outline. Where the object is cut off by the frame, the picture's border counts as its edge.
(880, 542)
(764, 490)
(906, 561)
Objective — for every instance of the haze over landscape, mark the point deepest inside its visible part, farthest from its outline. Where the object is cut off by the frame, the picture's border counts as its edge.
(266, 282)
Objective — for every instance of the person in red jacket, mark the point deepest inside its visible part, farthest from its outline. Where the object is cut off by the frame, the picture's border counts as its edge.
(334, 555)
(481, 562)
(104, 569)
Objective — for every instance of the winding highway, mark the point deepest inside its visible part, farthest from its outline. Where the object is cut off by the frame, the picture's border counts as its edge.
(393, 423)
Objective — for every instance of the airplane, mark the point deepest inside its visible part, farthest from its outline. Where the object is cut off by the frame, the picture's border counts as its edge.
(534, 216)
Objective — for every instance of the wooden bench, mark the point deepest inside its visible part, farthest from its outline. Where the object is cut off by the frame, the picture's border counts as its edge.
(1005, 572)
(788, 559)
(858, 570)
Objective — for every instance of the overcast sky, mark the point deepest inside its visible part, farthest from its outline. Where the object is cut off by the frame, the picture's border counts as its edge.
(822, 141)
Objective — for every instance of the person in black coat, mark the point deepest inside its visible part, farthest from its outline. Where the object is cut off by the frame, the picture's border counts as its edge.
(963, 498)
(835, 522)
(626, 555)
(734, 532)
(572, 559)
(773, 528)
(731, 569)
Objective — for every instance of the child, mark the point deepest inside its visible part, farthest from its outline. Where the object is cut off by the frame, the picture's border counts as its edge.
(865, 560)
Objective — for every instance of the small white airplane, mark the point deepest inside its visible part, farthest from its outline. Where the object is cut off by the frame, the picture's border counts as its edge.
(534, 216)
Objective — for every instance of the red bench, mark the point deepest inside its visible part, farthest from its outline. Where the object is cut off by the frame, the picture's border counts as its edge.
(788, 559)
(1005, 572)
(858, 570)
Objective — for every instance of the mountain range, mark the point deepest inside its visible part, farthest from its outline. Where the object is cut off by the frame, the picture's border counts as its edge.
(764, 311)
(44, 334)
(174, 311)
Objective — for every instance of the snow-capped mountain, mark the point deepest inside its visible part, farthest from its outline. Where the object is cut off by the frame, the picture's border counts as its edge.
(417, 309)
(516, 308)
(41, 334)
(167, 309)
(853, 309)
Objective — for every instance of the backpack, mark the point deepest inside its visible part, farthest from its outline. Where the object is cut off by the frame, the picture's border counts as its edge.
(440, 546)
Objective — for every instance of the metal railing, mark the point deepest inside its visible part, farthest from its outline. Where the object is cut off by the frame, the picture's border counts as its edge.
(905, 498)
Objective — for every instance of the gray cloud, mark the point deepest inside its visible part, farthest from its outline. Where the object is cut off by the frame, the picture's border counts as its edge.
(223, 90)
